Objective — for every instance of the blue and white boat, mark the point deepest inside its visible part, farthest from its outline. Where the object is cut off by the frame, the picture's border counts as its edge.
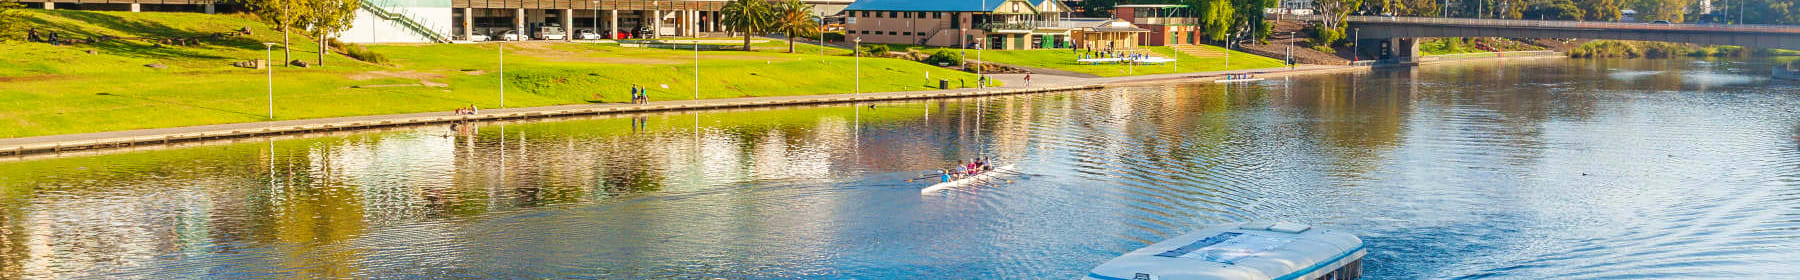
(1254, 250)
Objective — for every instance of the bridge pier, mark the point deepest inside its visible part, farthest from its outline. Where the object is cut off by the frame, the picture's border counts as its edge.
(1388, 50)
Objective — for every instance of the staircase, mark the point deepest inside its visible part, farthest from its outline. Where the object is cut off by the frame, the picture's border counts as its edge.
(1199, 51)
(404, 20)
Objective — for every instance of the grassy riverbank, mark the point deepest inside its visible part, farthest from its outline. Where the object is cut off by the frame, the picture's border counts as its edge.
(1636, 49)
(47, 90)
(1064, 59)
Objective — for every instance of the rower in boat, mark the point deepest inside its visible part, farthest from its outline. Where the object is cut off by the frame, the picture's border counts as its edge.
(979, 170)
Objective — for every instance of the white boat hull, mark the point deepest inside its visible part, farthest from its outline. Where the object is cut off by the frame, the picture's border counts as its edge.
(971, 180)
(1237, 80)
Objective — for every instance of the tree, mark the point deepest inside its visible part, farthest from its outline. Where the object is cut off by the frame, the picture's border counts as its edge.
(1419, 8)
(1602, 10)
(328, 18)
(1669, 10)
(1252, 17)
(1333, 13)
(1769, 11)
(1097, 8)
(1216, 18)
(282, 13)
(748, 16)
(794, 18)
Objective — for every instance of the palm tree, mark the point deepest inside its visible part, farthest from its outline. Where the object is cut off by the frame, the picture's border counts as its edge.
(748, 16)
(794, 18)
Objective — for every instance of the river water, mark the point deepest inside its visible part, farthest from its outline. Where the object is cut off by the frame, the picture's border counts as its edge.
(1541, 169)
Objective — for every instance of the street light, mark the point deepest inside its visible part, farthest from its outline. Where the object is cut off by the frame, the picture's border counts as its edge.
(595, 6)
(696, 70)
(1290, 50)
(268, 56)
(857, 48)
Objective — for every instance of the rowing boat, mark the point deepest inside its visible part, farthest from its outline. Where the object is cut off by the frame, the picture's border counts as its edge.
(1237, 80)
(965, 181)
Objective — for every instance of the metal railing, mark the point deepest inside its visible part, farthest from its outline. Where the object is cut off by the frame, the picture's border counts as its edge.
(1166, 21)
(995, 26)
(1762, 28)
(404, 20)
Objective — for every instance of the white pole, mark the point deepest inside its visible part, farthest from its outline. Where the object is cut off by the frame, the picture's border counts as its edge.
(696, 70)
(502, 48)
(268, 56)
(857, 48)
(1290, 51)
(595, 6)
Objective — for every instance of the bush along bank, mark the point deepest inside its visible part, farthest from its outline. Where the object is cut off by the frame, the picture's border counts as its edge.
(1636, 49)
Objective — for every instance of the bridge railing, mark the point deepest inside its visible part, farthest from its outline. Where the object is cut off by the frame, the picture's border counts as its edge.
(1566, 24)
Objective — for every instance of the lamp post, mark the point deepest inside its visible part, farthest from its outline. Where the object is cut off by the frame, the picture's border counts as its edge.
(269, 56)
(857, 48)
(1355, 44)
(1290, 50)
(595, 6)
(501, 47)
(696, 70)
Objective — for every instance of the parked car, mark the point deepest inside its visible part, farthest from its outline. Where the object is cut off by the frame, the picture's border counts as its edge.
(585, 34)
(479, 38)
(510, 35)
(551, 32)
(1660, 22)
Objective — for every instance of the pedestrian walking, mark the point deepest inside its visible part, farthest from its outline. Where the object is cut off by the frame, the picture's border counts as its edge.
(1027, 79)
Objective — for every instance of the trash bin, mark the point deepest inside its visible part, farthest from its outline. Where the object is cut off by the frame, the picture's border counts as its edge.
(943, 84)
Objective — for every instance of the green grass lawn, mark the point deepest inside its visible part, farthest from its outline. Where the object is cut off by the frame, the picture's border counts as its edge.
(1064, 59)
(62, 89)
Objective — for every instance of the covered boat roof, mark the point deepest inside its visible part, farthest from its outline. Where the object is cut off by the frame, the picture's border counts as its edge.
(1255, 250)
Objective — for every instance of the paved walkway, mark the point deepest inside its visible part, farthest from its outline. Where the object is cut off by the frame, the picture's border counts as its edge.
(1015, 84)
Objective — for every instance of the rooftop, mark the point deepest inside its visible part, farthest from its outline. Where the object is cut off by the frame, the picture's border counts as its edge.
(925, 5)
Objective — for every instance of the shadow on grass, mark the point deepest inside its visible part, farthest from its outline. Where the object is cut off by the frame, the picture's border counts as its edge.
(136, 29)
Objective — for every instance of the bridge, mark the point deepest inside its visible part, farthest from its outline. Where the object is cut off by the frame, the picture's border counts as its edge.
(1395, 39)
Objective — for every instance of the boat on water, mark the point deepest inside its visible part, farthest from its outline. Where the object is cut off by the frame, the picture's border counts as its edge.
(978, 178)
(1236, 78)
(1786, 72)
(1254, 250)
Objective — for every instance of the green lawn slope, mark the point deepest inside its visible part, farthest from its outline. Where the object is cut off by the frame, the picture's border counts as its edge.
(47, 90)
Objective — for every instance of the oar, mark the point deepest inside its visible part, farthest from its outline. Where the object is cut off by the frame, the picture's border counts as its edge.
(925, 177)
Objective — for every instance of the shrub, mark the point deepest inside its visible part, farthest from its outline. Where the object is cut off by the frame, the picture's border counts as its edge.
(875, 50)
(1326, 37)
(834, 36)
(944, 57)
(358, 52)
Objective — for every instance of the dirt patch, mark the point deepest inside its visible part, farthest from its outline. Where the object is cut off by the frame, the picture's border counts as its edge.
(371, 75)
(545, 51)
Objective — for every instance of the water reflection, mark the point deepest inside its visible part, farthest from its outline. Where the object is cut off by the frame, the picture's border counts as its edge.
(1558, 168)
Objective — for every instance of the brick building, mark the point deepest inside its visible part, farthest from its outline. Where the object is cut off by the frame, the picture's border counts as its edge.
(997, 24)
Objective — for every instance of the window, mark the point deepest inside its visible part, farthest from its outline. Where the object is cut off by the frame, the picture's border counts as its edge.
(921, 14)
(937, 15)
(909, 33)
(893, 14)
(865, 13)
(906, 15)
(893, 33)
